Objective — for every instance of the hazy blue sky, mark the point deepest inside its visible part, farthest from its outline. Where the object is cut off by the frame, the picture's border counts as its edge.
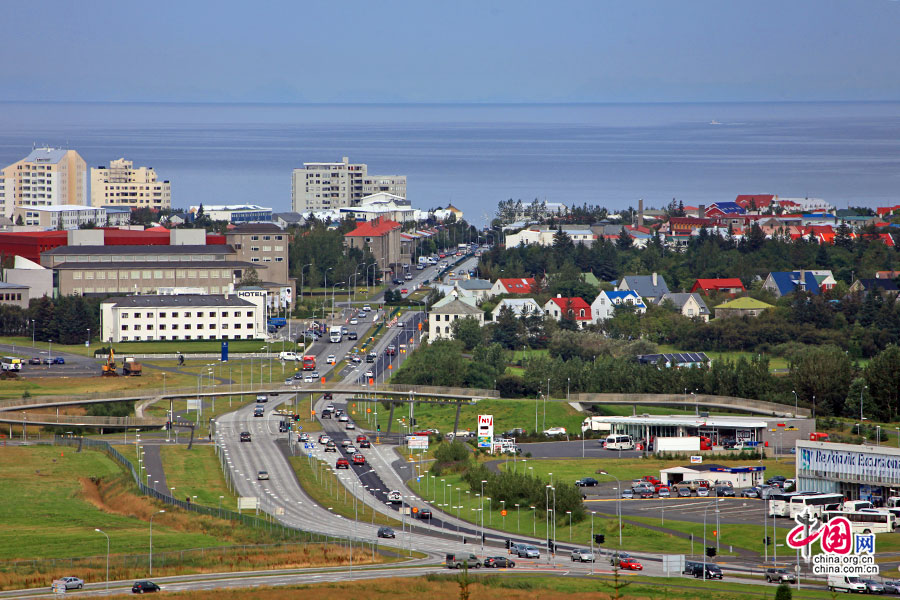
(457, 51)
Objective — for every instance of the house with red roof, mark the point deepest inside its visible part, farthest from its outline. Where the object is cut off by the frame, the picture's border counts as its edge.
(755, 201)
(730, 285)
(575, 307)
(516, 285)
(883, 211)
(379, 236)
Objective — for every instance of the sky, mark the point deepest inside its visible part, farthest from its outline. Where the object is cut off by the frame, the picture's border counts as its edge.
(462, 51)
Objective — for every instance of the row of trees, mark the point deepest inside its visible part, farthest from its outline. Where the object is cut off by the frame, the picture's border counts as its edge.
(65, 320)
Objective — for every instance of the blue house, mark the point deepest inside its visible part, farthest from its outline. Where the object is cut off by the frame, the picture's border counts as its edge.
(781, 283)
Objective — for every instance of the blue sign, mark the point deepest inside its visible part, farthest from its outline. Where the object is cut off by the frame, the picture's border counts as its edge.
(224, 351)
(299, 427)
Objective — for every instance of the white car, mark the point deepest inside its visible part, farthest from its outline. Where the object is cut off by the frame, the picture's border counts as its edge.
(331, 359)
(351, 450)
(346, 443)
(288, 356)
(350, 425)
(72, 583)
(308, 379)
(262, 475)
(343, 418)
(354, 321)
(367, 308)
(369, 375)
(555, 431)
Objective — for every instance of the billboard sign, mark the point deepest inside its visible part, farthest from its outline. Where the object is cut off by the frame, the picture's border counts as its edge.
(417, 442)
(485, 431)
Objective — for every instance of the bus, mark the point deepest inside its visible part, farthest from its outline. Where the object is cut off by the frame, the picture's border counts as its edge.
(865, 521)
(309, 362)
(11, 363)
(334, 334)
(780, 502)
(816, 503)
(620, 442)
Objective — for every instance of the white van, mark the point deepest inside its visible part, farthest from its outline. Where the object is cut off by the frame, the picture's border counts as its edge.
(620, 442)
(288, 356)
(855, 505)
(847, 584)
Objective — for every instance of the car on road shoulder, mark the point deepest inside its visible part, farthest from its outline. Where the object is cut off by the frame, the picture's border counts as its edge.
(262, 475)
(342, 463)
(386, 532)
(353, 336)
(331, 359)
(582, 555)
(245, 436)
(59, 360)
(587, 482)
(497, 562)
(143, 587)
(72, 583)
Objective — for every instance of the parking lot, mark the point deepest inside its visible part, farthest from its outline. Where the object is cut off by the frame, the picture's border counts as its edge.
(573, 449)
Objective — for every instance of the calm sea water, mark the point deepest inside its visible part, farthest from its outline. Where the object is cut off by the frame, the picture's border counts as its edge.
(477, 155)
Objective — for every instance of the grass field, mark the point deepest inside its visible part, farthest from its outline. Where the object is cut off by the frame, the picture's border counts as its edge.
(571, 469)
(52, 386)
(161, 347)
(775, 362)
(319, 481)
(507, 415)
(196, 473)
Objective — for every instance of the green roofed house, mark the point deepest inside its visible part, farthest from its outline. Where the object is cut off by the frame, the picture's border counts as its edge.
(590, 279)
(741, 307)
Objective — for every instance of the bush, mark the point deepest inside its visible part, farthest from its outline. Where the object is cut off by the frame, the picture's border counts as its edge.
(783, 592)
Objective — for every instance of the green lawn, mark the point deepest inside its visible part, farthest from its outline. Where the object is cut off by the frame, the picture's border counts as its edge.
(184, 347)
(775, 362)
(507, 415)
(196, 472)
(319, 481)
(151, 380)
(46, 514)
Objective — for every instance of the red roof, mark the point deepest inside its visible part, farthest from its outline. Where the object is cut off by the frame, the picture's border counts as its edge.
(718, 284)
(581, 309)
(375, 228)
(886, 210)
(517, 286)
(759, 200)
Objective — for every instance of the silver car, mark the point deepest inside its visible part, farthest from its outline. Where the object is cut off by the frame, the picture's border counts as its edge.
(529, 552)
(581, 555)
(72, 583)
(702, 492)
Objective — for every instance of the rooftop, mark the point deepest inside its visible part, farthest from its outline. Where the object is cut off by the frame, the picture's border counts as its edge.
(456, 307)
(745, 303)
(177, 300)
(46, 155)
(162, 264)
(64, 208)
(154, 250)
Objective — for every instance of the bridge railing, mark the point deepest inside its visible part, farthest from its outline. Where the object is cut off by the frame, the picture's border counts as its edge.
(761, 407)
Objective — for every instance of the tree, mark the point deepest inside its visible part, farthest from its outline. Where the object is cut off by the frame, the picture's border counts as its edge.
(756, 238)
(842, 236)
(467, 331)
(859, 402)
(509, 329)
(783, 592)
(883, 378)
(562, 243)
(821, 374)
(20, 220)
(624, 242)
(250, 277)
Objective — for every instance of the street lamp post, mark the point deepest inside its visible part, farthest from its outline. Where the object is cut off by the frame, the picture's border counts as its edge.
(618, 503)
(301, 279)
(107, 557)
(151, 540)
(483, 481)
(32, 333)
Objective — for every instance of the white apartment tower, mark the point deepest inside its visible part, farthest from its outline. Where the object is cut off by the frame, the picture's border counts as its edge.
(326, 186)
(124, 186)
(46, 177)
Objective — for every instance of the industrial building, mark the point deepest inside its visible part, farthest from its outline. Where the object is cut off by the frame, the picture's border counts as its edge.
(867, 472)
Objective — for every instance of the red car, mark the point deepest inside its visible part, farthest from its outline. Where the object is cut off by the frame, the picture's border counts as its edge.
(359, 459)
(630, 564)
(650, 479)
(342, 463)
(361, 438)
(646, 493)
(404, 291)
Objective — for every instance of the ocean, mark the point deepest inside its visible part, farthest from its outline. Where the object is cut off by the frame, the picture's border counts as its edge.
(477, 155)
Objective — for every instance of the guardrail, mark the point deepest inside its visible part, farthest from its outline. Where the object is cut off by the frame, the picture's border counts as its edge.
(702, 401)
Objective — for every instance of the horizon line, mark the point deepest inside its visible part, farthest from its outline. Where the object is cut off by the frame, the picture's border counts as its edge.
(452, 103)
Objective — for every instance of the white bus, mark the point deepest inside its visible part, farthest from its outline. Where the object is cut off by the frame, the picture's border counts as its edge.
(865, 521)
(11, 363)
(780, 502)
(816, 503)
(334, 334)
(620, 442)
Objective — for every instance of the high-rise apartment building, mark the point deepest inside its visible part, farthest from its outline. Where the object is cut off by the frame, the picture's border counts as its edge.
(123, 185)
(325, 186)
(46, 177)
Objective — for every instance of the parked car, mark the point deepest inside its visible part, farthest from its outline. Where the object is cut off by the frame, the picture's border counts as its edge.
(751, 492)
(630, 564)
(627, 494)
(703, 492)
(34, 360)
(528, 552)
(142, 587)
(724, 491)
(873, 587)
(245, 436)
(342, 463)
(646, 493)
(664, 492)
(683, 492)
(582, 555)
(72, 583)
(779, 575)
(587, 482)
(555, 431)
(497, 562)
(458, 560)
(891, 587)
(59, 360)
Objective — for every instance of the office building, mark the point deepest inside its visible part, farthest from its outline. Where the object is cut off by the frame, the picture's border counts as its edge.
(235, 213)
(181, 317)
(381, 237)
(69, 217)
(123, 185)
(46, 177)
(265, 245)
(326, 186)
(859, 472)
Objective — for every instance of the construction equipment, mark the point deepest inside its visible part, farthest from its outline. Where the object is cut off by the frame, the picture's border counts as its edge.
(109, 369)
(131, 367)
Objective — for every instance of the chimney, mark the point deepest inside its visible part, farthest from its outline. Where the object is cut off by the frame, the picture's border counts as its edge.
(802, 284)
(701, 211)
(654, 278)
(559, 295)
(640, 222)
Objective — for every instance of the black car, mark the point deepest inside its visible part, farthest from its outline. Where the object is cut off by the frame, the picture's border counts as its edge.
(365, 444)
(283, 426)
(425, 514)
(515, 432)
(142, 587)
(780, 479)
(352, 336)
(712, 571)
(245, 436)
(587, 482)
(497, 562)
(298, 377)
(397, 281)
(386, 532)
(724, 491)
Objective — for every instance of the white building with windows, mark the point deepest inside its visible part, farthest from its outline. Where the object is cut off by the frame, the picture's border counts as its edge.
(444, 313)
(121, 184)
(328, 186)
(182, 317)
(68, 216)
(604, 305)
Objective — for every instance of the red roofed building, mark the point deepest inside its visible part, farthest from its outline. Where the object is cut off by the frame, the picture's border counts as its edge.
(754, 202)
(882, 211)
(518, 285)
(576, 308)
(685, 225)
(731, 286)
(381, 237)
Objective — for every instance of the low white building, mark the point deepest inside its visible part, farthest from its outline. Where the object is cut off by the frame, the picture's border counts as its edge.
(70, 216)
(382, 204)
(182, 317)
(236, 213)
(443, 314)
(521, 307)
(604, 305)
(543, 236)
(479, 289)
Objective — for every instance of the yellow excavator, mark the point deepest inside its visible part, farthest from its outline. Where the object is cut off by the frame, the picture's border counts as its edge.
(109, 369)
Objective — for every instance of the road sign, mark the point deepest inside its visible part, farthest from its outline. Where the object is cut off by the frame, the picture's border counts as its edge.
(417, 442)
(696, 460)
(248, 503)
(503, 513)
(299, 427)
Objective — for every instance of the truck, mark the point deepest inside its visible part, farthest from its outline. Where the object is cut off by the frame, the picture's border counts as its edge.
(131, 367)
(309, 362)
(335, 334)
(677, 444)
(846, 584)
(423, 260)
(595, 424)
(276, 322)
